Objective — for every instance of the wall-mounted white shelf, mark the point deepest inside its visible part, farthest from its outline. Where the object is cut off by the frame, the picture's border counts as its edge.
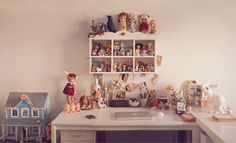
(113, 53)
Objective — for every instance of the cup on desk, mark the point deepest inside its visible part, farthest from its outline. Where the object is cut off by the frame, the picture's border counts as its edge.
(143, 102)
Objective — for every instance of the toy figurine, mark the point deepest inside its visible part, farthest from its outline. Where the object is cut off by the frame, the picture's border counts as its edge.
(85, 103)
(110, 24)
(122, 20)
(152, 27)
(138, 48)
(94, 26)
(177, 101)
(101, 103)
(132, 27)
(69, 89)
(48, 132)
(103, 27)
(151, 98)
(144, 23)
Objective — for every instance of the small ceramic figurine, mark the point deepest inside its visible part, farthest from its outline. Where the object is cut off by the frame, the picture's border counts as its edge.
(94, 26)
(132, 23)
(110, 24)
(69, 89)
(85, 103)
(152, 27)
(144, 23)
(122, 20)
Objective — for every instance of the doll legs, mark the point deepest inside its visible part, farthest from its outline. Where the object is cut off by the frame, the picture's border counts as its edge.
(70, 99)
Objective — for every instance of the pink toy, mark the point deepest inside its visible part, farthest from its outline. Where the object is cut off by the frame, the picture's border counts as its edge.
(144, 23)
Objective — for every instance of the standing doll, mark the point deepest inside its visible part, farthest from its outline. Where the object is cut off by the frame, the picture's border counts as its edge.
(69, 89)
(132, 25)
(122, 20)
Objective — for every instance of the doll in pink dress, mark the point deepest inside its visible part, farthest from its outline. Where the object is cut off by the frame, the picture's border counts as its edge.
(69, 89)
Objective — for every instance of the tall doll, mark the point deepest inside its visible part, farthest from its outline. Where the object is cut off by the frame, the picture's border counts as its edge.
(69, 89)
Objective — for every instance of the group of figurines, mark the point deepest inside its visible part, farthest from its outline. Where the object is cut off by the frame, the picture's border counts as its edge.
(141, 66)
(101, 66)
(144, 49)
(126, 22)
(101, 49)
(116, 90)
(126, 66)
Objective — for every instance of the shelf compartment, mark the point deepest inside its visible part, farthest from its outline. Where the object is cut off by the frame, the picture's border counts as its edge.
(123, 48)
(100, 65)
(101, 48)
(144, 48)
(123, 65)
(144, 65)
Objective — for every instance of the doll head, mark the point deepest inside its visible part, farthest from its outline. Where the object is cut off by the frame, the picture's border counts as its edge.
(122, 17)
(132, 18)
(71, 77)
(144, 18)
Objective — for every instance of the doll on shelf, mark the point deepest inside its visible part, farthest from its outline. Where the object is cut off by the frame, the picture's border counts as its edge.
(69, 89)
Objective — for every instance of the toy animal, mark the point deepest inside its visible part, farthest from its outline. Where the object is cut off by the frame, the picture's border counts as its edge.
(110, 24)
(216, 103)
(144, 23)
(122, 20)
(132, 22)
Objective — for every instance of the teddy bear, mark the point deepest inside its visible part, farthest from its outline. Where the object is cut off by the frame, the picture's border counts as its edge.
(144, 23)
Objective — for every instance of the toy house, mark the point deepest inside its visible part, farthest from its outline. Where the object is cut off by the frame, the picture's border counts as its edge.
(27, 115)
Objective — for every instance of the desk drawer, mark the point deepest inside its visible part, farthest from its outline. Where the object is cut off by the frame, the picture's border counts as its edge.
(77, 142)
(71, 136)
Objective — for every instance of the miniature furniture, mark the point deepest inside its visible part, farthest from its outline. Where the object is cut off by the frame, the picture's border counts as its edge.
(76, 127)
(115, 53)
(27, 114)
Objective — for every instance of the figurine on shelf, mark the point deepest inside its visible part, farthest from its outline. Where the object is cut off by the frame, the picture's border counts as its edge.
(151, 98)
(69, 89)
(138, 48)
(144, 23)
(85, 103)
(105, 94)
(110, 24)
(103, 27)
(152, 26)
(122, 20)
(116, 48)
(94, 26)
(151, 49)
(132, 23)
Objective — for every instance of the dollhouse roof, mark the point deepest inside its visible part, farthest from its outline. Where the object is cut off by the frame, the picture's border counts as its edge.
(37, 99)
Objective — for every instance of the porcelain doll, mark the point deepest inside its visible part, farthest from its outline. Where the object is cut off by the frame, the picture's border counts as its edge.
(152, 27)
(122, 20)
(132, 23)
(69, 89)
(85, 103)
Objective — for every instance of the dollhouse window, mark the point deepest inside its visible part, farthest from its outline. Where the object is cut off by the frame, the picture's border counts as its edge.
(35, 113)
(24, 112)
(35, 129)
(14, 113)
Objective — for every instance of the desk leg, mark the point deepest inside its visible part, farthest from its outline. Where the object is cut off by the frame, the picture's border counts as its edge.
(3, 133)
(196, 135)
(54, 134)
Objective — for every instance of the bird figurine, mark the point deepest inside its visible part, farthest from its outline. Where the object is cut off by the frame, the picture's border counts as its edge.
(110, 24)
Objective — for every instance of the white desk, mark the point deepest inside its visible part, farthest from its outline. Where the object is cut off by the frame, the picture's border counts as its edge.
(105, 121)
(219, 132)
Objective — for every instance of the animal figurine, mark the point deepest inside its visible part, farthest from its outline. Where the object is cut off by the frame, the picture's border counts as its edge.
(144, 23)
(132, 23)
(103, 27)
(69, 89)
(216, 103)
(152, 26)
(110, 24)
(122, 20)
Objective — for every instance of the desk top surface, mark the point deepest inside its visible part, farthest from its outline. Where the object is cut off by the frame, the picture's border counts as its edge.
(219, 132)
(105, 117)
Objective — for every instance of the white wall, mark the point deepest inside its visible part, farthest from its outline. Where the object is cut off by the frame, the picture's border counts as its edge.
(40, 39)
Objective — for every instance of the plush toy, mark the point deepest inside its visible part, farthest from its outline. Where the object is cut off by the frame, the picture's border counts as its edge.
(122, 20)
(132, 22)
(144, 23)
(69, 89)
(152, 27)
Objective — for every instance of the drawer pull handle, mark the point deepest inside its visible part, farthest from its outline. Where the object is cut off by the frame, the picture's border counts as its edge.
(77, 136)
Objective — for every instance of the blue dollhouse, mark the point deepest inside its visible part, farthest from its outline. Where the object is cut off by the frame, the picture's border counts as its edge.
(27, 115)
